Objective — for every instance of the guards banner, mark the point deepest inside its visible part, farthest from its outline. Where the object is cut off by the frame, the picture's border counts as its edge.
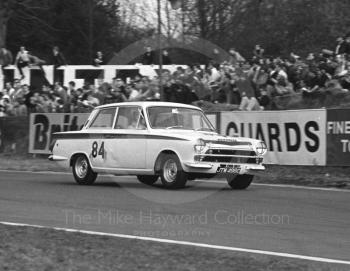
(43, 125)
(338, 137)
(293, 137)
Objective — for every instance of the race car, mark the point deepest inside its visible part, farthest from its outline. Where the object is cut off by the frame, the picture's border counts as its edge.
(152, 140)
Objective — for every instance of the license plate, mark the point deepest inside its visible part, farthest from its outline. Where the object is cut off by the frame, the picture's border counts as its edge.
(230, 169)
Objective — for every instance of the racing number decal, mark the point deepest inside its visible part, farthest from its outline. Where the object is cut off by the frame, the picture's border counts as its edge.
(94, 149)
(102, 150)
(98, 151)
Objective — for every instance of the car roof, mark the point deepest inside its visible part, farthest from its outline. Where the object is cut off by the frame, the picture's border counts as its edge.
(147, 104)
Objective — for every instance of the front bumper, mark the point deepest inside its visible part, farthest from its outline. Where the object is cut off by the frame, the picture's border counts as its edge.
(214, 168)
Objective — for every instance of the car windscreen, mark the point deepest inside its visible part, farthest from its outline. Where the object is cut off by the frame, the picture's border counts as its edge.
(162, 117)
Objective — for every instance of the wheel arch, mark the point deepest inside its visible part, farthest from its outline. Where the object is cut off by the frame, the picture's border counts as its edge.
(74, 155)
(157, 164)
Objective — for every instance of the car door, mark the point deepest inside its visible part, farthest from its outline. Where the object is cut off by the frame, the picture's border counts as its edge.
(98, 136)
(128, 147)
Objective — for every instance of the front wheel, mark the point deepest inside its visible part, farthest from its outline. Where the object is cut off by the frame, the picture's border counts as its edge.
(239, 182)
(147, 179)
(172, 174)
(82, 171)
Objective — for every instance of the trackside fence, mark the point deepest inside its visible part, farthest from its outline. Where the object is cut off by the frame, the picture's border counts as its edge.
(296, 137)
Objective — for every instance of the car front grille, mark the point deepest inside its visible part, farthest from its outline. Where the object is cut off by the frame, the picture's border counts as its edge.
(229, 156)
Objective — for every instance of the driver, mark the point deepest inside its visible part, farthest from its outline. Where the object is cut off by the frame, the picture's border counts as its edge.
(137, 121)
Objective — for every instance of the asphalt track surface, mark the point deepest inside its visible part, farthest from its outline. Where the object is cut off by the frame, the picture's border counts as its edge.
(280, 219)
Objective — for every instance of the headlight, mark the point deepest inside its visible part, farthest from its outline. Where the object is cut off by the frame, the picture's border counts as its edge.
(199, 146)
(261, 148)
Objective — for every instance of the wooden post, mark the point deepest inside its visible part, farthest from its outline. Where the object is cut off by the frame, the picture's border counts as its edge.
(160, 52)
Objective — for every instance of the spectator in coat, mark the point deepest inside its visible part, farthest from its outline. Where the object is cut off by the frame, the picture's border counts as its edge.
(165, 58)
(148, 57)
(58, 57)
(58, 60)
(98, 59)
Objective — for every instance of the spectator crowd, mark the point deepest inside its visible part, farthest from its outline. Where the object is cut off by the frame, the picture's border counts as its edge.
(251, 84)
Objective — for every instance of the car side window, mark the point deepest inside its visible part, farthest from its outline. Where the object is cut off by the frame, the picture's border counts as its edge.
(103, 119)
(130, 118)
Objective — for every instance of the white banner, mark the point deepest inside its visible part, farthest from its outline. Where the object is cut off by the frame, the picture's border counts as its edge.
(43, 125)
(70, 72)
(292, 137)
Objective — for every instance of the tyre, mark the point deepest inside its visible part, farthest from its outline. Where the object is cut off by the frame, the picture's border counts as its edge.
(239, 182)
(82, 171)
(172, 174)
(147, 179)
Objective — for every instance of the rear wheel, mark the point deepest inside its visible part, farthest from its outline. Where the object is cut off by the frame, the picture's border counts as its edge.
(239, 182)
(82, 171)
(147, 179)
(172, 174)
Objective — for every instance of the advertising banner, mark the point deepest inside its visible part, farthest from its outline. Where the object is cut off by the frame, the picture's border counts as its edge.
(43, 125)
(293, 137)
(338, 137)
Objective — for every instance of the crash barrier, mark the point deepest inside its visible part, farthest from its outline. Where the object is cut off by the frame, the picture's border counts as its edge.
(80, 74)
(296, 137)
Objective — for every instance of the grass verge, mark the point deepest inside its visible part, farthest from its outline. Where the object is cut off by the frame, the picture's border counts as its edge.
(26, 248)
(314, 176)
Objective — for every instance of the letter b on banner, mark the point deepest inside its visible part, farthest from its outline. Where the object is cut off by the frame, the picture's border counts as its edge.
(41, 124)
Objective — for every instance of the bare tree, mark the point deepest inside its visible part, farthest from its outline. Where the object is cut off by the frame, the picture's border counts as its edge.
(143, 14)
(6, 10)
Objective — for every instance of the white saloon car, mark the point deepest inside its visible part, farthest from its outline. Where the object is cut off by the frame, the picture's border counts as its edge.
(175, 142)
